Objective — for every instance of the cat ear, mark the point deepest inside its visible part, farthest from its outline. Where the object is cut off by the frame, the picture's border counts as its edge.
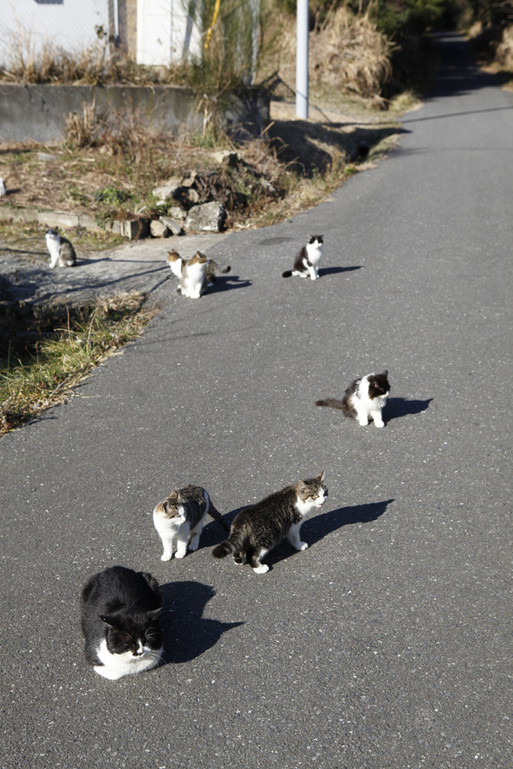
(385, 372)
(109, 620)
(320, 477)
(173, 497)
(154, 613)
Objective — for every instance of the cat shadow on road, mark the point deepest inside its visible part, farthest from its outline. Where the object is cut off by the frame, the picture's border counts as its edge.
(187, 634)
(319, 526)
(400, 407)
(335, 270)
(227, 283)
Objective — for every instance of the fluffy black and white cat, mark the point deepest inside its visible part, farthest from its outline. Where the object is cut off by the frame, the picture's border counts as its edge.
(180, 518)
(196, 274)
(306, 263)
(62, 253)
(262, 526)
(120, 610)
(364, 399)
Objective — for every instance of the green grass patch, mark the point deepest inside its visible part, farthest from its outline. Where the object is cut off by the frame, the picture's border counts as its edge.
(33, 379)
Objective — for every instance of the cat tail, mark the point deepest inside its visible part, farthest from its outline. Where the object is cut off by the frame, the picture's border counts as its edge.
(286, 274)
(216, 515)
(231, 545)
(331, 403)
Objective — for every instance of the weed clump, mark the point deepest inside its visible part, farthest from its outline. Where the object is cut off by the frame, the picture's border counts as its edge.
(35, 376)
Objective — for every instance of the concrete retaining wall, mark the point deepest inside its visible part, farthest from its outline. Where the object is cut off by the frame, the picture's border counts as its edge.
(39, 112)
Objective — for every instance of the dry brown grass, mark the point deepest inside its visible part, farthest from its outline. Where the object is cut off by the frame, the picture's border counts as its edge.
(346, 52)
(504, 53)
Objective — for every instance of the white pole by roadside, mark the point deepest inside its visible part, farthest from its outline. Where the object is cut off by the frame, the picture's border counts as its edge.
(302, 60)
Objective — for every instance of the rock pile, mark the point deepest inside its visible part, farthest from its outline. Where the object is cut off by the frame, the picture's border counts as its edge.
(202, 201)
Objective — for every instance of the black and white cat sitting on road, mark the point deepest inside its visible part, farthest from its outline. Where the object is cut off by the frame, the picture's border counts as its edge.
(306, 263)
(62, 253)
(364, 399)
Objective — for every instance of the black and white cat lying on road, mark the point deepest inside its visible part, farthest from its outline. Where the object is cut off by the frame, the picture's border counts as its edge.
(120, 621)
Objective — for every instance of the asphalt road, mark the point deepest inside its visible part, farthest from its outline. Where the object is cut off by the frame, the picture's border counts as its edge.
(388, 642)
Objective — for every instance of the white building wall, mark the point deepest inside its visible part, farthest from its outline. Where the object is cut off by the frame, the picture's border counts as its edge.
(68, 24)
(166, 31)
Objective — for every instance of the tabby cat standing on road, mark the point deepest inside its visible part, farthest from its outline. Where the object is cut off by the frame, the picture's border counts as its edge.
(260, 527)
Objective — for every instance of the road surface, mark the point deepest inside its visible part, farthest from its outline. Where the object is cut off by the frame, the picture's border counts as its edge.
(388, 642)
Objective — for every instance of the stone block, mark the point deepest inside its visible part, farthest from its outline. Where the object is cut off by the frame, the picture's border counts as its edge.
(158, 229)
(56, 219)
(174, 227)
(207, 217)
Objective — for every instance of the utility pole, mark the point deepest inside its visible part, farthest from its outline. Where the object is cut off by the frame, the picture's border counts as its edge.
(302, 60)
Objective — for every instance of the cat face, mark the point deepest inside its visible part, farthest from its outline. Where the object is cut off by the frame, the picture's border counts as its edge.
(135, 635)
(378, 385)
(315, 239)
(173, 256)
(198, 258)
(172, 508)
(313, 492)
(53, 235)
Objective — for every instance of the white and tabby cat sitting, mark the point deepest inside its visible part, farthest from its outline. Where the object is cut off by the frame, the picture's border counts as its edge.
(196, 274)
(119, 611)
(259, 528)
(62, 253)
(180, 518)
(364, 399)
(306, 263)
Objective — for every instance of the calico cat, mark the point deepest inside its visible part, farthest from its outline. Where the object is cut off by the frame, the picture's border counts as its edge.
(62, 253)
(306, 263)
(195, 274)
(260, 527)
(363, 399)
(120, 609)
(181, 517)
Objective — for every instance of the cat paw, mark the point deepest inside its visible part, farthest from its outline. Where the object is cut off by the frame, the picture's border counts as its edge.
(363, 422)
(180, 555)
(112, 675)
(165, 557)
(194, 544)
(303, 545)
(262, 569)
(379, 424)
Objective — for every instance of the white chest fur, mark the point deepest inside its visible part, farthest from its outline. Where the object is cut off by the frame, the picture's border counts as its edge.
(118, 665)
(314, 251)
(53, 243)
(193, 280)
(366, 407)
